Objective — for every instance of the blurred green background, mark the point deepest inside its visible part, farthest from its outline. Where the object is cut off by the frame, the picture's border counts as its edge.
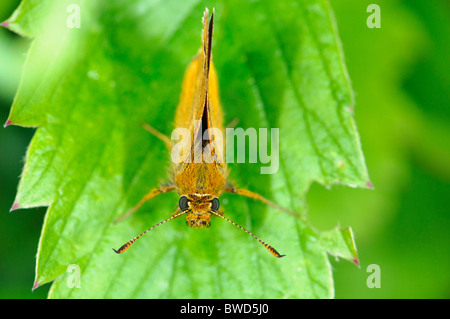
(401, 78)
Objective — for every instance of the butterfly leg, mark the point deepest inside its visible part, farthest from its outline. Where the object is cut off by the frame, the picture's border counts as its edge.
(233, 123)
(150, 195)
(158, 134)
(250, 194)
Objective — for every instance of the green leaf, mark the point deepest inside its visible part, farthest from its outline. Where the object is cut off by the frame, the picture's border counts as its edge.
(89, 88)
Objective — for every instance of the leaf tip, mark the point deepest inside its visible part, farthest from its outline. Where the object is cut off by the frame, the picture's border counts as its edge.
(356, 262)
(8, 123)
(369, 185)
(5, 24)
(15, 206)
(35, 285)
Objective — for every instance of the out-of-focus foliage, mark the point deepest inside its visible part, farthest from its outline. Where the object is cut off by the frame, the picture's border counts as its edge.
(400, 74)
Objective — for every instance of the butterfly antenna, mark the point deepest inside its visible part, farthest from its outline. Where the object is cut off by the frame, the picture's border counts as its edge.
(128, 244)
(272, 250)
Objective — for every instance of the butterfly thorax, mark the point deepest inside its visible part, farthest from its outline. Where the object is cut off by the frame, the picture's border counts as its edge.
(200, 178)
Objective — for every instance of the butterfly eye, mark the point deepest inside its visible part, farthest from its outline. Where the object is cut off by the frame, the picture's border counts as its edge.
(183, 203)
(215, 204)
